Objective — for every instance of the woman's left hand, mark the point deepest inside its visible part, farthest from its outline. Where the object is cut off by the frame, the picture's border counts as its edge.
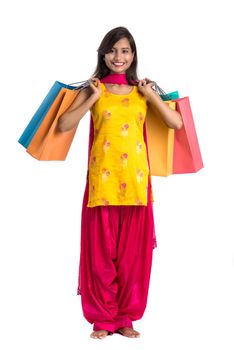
(145, 86)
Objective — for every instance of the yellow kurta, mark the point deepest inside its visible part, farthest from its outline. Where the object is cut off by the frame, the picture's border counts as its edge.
(118, 166)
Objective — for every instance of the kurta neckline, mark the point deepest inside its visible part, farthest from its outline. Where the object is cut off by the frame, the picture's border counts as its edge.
(133, 89)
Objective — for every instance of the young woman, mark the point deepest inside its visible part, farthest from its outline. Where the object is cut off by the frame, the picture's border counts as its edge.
(117, 223)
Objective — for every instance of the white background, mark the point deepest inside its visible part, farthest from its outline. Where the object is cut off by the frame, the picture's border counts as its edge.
(184, 45)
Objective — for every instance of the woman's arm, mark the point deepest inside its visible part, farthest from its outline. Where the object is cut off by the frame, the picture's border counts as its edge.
(170, 117)
(83, 102)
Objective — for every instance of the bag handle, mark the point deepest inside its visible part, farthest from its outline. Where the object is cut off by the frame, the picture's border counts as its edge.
(84, 84)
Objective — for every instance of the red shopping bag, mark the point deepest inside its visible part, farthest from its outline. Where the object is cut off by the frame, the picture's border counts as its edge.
(187, 155)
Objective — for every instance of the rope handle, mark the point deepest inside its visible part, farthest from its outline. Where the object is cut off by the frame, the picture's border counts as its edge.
(83, 84)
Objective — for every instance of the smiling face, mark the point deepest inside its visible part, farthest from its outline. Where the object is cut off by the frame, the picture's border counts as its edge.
(120, 58)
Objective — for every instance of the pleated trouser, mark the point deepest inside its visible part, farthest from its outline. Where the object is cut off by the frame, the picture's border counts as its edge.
(116, 253)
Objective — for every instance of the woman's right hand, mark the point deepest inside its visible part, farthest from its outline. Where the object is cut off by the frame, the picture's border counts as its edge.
(95, 87)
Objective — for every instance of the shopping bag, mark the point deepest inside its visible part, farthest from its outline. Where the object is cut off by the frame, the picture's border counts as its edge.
(41, 137)
(48, 142)
(187, 155)
(42, 110)
(160, 141)
(173, 151)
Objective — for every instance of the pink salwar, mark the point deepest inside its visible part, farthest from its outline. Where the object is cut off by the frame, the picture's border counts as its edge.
(116, 253)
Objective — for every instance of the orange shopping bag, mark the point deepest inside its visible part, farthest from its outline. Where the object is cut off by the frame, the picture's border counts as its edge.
(48, 142)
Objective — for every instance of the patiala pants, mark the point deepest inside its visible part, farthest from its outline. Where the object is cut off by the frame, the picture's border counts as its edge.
(116, 252)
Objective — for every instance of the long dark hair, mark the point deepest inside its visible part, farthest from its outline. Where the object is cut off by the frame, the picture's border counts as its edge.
(106, 45)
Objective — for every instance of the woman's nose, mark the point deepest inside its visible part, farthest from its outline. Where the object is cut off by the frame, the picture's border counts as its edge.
(117, 56)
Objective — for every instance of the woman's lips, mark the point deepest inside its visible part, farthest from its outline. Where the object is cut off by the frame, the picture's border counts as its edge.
(118, 64)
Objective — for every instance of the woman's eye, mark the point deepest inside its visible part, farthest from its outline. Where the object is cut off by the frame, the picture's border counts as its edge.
(125, 51)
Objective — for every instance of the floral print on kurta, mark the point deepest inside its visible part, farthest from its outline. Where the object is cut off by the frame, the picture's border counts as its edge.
(118, 165)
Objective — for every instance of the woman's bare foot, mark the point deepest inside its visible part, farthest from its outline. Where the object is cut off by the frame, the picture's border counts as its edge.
(99, 334)
(128, 332)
